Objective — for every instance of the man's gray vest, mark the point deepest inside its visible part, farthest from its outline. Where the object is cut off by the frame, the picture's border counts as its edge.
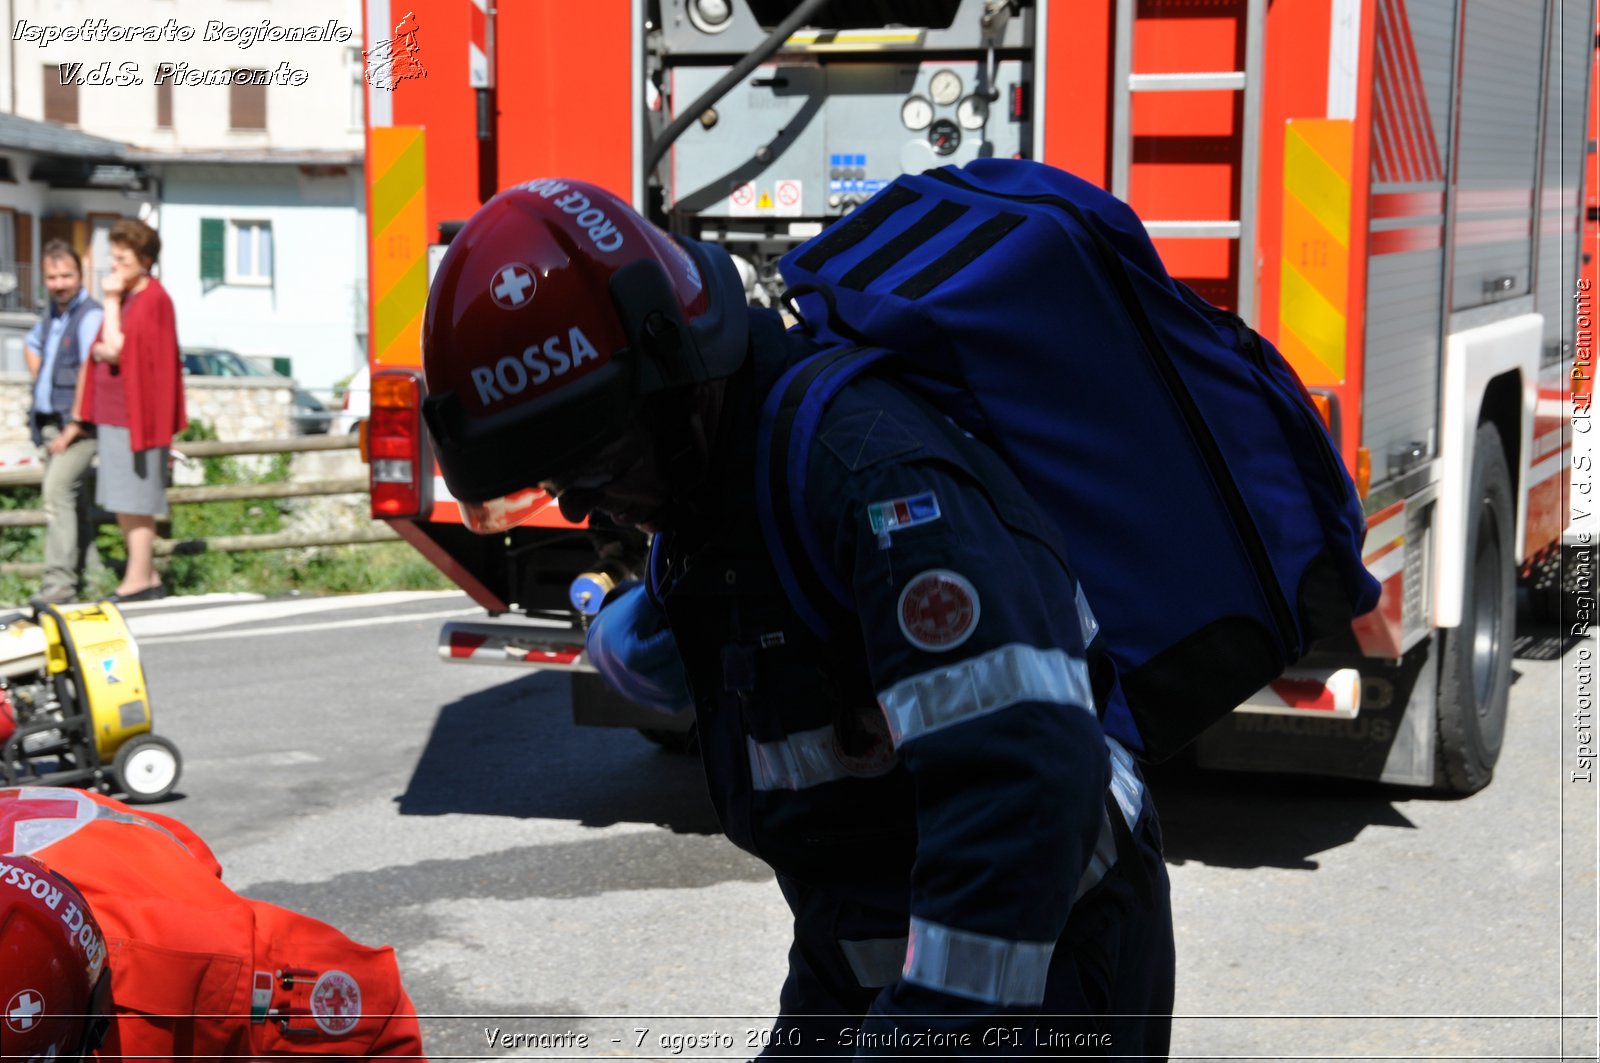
(64, 373)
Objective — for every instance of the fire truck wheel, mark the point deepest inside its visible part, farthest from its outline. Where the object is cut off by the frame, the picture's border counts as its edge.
(146, 768)
(1475, 666)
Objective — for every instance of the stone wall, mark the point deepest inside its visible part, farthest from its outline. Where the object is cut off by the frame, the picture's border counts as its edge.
(236, 408)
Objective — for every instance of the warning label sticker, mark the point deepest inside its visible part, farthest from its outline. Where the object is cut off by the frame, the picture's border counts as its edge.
(742, 199)
(787, 194)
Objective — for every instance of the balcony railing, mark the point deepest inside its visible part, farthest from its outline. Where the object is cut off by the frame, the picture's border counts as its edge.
(16, 285)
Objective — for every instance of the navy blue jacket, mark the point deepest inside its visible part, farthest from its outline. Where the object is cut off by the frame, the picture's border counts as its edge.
(933, 788)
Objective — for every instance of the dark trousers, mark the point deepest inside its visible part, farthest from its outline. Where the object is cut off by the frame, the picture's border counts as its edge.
(1109, 994)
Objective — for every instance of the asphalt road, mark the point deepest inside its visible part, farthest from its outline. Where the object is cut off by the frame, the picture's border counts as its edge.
(550, 882)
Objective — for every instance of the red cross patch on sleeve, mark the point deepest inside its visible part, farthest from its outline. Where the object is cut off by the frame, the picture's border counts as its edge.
(938, 610)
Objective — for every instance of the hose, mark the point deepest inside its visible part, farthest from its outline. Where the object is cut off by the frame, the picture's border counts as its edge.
(797, 18)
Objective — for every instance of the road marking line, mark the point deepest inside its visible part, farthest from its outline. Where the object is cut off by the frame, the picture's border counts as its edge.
(292, 629)
(226, 616)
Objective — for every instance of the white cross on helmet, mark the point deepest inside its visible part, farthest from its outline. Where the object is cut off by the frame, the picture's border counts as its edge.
(513, 286)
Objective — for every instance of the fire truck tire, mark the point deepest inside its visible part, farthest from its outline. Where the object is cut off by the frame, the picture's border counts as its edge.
(146, 768)
(1475, 665)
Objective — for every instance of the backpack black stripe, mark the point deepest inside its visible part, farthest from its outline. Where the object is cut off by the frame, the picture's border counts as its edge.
(974, 244)
(931, 224)
(858, 226)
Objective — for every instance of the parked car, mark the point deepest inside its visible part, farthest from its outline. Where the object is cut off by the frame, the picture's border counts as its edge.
(309, 415)
(357, 402)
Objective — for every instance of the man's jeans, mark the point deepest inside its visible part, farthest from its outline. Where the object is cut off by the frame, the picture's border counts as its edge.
(68, 495)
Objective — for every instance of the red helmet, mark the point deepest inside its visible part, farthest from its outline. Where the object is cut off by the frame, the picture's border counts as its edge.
(54, 984)
(555, 314)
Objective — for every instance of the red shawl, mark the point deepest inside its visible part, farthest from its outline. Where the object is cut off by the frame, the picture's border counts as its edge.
(152, 370)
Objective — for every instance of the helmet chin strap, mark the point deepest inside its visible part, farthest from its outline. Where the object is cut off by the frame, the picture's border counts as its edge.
(682, 424)
(97, 1023)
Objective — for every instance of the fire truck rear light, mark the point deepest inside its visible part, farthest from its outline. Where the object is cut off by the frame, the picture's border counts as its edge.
(393, 500)
(392, 471)
(1019, 102)
(1363, 471)
(395, 392)
(394, 446)
(392, 434)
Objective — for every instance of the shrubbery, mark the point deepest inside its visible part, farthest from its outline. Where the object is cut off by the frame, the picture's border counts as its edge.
(310, 570)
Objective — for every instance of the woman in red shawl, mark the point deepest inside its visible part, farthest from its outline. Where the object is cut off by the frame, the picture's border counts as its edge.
(134, 395)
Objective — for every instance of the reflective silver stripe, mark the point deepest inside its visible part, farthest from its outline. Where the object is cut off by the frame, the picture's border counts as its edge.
(980, 685)
(1086, 621)
(1126, 786)
(1101, 860)
(1128, 790)
(796, 762)
(876, 962)
(977, 966)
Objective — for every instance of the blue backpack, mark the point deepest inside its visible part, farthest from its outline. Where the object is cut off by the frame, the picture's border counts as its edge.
(1204, 509)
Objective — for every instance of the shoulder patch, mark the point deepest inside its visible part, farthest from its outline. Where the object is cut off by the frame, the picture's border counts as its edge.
(938, 610)
(336, 1003)
(866, 438)
(891, 515)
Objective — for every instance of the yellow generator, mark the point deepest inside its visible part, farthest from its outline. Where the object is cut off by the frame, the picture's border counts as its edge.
(74, 708)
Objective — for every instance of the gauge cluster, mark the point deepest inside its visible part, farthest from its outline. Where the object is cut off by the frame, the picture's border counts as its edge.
(947, 109)
(814, 140)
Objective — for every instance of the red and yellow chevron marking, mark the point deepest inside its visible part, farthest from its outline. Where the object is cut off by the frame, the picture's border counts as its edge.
(397, 217)
(1405, 148)
(1314, 295)
(1381, 633)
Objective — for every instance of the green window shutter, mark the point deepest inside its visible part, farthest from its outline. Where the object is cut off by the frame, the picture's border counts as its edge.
(213, 255)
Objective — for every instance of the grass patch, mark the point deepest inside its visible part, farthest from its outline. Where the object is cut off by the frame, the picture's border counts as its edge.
(20, 544)
(357, 570)
(306, 570)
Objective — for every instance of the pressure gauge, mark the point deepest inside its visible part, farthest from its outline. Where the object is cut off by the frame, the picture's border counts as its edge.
(945, 87)
(945, 136)
(710, 16)
(972, 112)
(916, 113)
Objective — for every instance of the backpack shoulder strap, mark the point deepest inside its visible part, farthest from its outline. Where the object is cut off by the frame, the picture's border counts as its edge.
(789, 419)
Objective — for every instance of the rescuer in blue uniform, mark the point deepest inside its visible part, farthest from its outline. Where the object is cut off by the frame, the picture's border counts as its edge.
(973, 864)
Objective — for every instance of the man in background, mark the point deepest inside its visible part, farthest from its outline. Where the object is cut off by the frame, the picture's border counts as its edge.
(57, 349)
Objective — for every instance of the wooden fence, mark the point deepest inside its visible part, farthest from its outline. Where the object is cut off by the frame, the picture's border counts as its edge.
(34, 518)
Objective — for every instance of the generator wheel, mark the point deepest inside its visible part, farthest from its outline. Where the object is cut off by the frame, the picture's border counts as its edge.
(1475, 665)
(146, 768)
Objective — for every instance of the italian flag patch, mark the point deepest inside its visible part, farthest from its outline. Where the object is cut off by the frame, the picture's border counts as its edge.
(894, 514)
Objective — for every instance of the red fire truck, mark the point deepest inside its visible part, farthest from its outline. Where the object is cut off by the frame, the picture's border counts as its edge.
(1391, 190)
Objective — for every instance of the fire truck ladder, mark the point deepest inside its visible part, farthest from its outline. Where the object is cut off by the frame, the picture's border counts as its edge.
(1248, 81)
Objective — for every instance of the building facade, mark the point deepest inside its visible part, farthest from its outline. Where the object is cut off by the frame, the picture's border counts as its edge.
(243, 118)
(55, 182)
